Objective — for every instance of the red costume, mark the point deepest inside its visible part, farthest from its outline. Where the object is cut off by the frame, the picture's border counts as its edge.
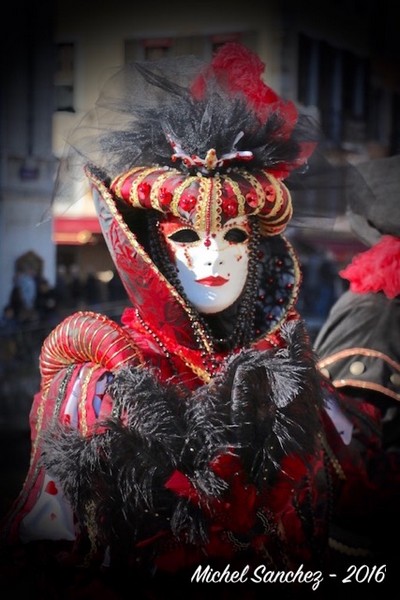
(180, 439)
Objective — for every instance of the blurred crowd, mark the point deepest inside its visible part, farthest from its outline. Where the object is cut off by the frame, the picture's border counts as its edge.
(35, 306)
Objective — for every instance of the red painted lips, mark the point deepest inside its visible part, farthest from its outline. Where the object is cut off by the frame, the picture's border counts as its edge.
(212, 280)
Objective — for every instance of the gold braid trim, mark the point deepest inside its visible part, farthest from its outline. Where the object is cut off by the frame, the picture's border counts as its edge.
(253, 181)
(86, 337)
(274, 222)
(216, 200)
(162, 177)
(202, 373)
(121, 179)
(202, 214)
(199, 371)
(369, 352)
(178, 193)
(133, 194)
(335, 463)
(367, 384)
(92, 530)
(240, 198)
(82, 412)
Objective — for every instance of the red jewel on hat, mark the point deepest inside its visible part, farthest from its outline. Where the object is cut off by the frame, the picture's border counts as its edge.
(165, 197)
(230, 207)
(252, 199)
(187, 203)
(270, 193)
(143, 190)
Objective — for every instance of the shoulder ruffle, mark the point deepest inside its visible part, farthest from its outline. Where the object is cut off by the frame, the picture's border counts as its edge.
(87, 337)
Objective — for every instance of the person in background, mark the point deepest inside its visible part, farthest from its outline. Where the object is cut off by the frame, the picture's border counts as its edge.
(23, 294)
(196, 435)
(358, 347)
(8, 338)
(359, 344)
(46, 304)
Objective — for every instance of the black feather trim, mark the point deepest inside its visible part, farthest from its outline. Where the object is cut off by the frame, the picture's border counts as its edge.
(275, 402)
(197, 127)
(263, 406)
(148, 102)
(117, 475)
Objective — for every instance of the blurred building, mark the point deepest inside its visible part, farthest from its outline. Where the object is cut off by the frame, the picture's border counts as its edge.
(27, 162)
(338, 59)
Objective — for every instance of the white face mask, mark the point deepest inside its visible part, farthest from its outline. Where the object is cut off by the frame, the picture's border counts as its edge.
(212, 267)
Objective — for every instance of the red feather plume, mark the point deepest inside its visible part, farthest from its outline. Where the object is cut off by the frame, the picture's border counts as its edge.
(240, 70)
(376, 269)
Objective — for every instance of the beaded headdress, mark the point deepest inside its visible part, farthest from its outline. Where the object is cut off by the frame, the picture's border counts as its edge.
(216, 147)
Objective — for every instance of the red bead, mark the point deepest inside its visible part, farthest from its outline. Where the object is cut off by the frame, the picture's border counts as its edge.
(230, 207)
(165, 197)
(143, 190)
(187, 203)
(252, 199)
(270, 193)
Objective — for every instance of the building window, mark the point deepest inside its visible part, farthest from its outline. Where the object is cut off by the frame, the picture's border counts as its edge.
(308, 71)
(64, 78)
(154, 49)
(220, 39)
(336, 82)
(203, 46)
(148, 49)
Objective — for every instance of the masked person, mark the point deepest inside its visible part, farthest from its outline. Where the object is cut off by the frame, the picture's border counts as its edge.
(195, 433)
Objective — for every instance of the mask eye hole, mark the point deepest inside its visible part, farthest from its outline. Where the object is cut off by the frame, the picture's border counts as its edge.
(184, 236)
(236, 236)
